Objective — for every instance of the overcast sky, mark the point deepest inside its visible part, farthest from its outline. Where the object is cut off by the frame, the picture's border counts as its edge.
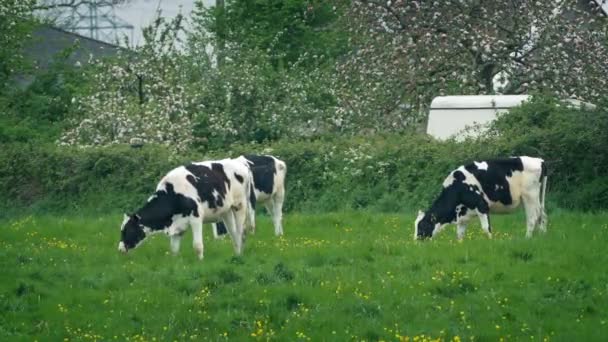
(140, 13)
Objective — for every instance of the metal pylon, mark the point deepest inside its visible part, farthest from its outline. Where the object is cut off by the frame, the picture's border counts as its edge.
(91, 18)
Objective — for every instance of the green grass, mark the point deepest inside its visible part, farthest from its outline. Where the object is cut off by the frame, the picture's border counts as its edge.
(333, 277)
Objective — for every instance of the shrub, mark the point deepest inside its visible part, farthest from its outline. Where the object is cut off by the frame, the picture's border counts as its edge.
(49, 178)
(572, 141)
(385, 173)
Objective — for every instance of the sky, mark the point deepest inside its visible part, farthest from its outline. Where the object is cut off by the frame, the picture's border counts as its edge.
(140, 13)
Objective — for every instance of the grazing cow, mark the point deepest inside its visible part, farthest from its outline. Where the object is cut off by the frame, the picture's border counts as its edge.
(496, 186)
(269, 188)
(190, 195)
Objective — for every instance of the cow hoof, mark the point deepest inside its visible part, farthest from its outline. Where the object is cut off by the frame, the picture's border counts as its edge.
(199, 251)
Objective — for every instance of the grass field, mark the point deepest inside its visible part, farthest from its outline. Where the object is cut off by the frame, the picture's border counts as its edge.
(333, 277)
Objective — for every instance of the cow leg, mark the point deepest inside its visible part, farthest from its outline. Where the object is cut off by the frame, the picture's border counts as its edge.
(533, 212)
(240, 217)
(219, 229)
(197, 234)
(275, 208)
(484, 218)
(214, 230)
(250, 222)
(235, 234)
(461, 229)
(250, 218)
(270, 208)
(543, 221)
(463, 215)
(175, 243)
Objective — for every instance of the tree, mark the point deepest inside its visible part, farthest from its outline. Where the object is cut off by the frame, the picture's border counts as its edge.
(16, 22)
(411, 51)
(142, 94)
(289, 28)
(274, 61)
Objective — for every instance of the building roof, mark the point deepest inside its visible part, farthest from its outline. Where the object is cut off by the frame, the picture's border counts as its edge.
(48, 41)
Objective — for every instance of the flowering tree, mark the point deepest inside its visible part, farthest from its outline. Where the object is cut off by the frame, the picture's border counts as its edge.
(282, 75)
(246, 99)
(407, 52)
(140, 95)
(181, 98)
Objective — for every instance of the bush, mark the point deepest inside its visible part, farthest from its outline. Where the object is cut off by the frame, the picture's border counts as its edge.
(44, 177)
(385, 173)
(572, 141)
(38, 112)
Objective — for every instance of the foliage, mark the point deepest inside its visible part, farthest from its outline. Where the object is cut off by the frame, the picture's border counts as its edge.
(141, 94)
(46, 177)
(180, 98)
(275, 75)
(286, 28)
(38, 112)
(571, 140)
(341, 276)
(332, 119)
(386, 172)
(246, 101)
(15, 24)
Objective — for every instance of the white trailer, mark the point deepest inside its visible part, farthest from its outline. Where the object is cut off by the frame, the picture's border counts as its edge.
(449, 116)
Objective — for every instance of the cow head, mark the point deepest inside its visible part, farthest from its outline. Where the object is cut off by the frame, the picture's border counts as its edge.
(423, 226)
(132, 233)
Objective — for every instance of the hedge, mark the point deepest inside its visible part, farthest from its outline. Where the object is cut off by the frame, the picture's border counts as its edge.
(387, 173)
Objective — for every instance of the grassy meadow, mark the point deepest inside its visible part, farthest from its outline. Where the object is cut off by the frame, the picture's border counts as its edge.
(332, 277)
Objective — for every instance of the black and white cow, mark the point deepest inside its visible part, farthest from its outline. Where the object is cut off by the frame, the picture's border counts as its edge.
(269, 185)
(496, 186)
(190, 195)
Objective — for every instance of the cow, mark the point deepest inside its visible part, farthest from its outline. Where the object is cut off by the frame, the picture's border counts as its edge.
(190, 195)
(479, 188)
(269, 188)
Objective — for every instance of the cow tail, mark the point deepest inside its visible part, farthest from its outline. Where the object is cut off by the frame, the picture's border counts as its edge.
(250, 202)
(543, 189)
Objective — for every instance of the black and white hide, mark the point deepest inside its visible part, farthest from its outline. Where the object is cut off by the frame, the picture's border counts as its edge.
(189, 195)
(269, 189)
(481, 188)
